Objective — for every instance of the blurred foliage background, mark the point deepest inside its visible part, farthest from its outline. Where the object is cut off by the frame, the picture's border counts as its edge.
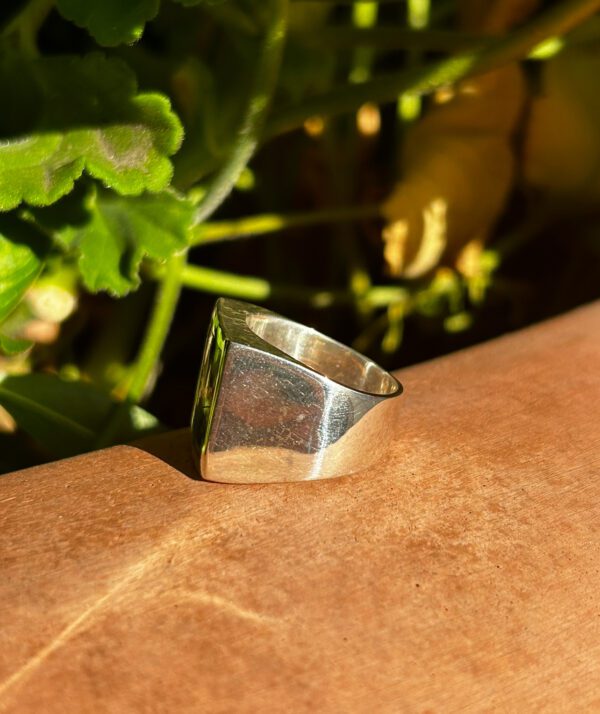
(408, 176)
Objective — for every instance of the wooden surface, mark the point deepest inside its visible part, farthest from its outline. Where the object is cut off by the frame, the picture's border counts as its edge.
(460, 574)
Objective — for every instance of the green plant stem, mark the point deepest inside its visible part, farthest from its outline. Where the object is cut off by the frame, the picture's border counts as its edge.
(249, 287)
(157, 329)
(223, 283)
(254, 288)
(220, 231)
(113, 343)
(557, 20)
(142, 372)
(342, 149)
(26, 25)
(409, 105)
(267, 72)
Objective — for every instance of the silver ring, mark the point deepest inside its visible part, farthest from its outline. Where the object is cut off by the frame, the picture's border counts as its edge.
(278, 401)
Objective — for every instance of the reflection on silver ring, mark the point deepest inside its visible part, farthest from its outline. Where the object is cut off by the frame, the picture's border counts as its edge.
(278, 401)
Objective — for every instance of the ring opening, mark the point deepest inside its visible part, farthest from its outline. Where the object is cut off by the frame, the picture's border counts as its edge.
(323, 355)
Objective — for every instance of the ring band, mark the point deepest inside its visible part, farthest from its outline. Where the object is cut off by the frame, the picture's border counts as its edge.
(278, 401)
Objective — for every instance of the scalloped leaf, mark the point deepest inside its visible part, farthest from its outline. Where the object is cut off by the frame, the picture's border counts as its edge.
(110, 22)
(113, 234)
(114, 22)
(89, 117)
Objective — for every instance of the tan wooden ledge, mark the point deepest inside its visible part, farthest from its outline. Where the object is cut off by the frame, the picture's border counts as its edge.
(460, 574)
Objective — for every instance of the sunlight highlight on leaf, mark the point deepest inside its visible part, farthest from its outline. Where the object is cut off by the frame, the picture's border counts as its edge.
(88, 116)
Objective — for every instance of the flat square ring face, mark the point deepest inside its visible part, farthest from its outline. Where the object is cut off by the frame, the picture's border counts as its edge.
(278, 401)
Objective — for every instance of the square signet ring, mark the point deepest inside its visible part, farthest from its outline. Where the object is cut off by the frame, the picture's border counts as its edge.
(278, 401)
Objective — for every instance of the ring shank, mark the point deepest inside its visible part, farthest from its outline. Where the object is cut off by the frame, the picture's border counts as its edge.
(323, 355)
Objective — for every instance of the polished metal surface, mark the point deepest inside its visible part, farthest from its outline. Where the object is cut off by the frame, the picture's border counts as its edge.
(278, 401)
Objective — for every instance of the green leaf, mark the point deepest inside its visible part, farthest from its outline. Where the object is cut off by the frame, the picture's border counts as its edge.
(10, 346)
(115, 22)
(72, 114)
(212, 112)
(114, 233)
(22, 252)
(66, 417)
(110, 22)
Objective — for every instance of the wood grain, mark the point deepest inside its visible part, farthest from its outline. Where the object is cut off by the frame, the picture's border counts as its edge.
(462, 573)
